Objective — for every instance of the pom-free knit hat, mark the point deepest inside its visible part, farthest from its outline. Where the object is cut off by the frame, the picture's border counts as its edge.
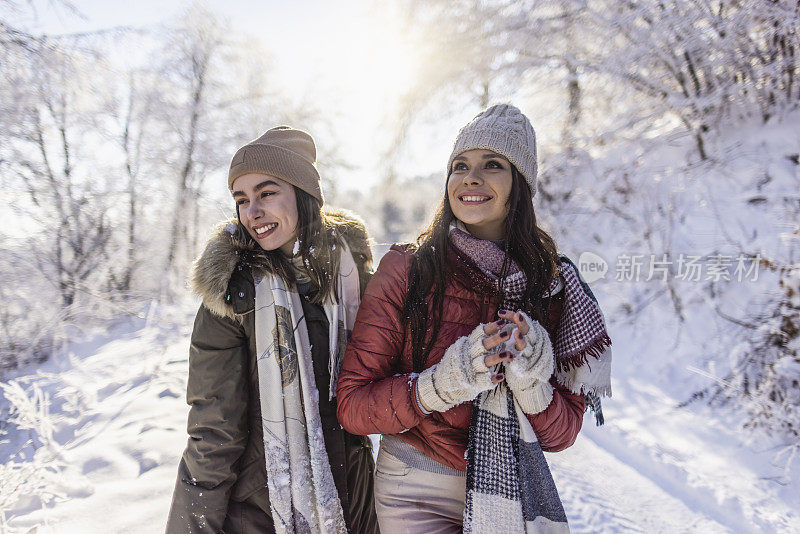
(284, 153)
(505, 130)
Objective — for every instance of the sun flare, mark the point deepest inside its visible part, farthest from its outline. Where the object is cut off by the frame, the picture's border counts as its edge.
(369, 56)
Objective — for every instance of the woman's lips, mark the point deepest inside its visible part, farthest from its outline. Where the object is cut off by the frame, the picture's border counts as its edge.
(265, 231)
(473, 200)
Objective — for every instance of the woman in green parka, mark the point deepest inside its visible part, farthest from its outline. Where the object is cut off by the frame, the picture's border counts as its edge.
(280, 287)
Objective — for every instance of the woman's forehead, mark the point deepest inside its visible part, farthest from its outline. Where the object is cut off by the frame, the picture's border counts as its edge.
(483, 153)
(254, 181)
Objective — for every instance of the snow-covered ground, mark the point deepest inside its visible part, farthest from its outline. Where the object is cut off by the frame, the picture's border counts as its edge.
(117, 416)
(118, 413)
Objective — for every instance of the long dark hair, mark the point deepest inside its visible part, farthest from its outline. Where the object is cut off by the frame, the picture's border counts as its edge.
(530, 247)
(318, 238)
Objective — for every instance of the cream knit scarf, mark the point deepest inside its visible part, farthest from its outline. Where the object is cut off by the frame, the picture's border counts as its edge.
(303, 496)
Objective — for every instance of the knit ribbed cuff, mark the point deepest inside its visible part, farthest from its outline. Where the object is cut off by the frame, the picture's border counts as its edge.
(428, 394)
(476, 335)
(505, 130)
(416, 399)
(476, 351)
(536, 398)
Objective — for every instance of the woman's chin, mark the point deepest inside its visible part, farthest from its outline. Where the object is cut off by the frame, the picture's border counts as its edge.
(484, 228)
(268, 243)
(278, 243)
(475, 222)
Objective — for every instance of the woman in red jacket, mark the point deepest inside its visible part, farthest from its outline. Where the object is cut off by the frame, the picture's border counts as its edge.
(474, 351)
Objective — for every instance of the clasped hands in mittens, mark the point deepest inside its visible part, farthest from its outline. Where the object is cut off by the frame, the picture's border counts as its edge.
(466, 367)
(528, 372)
(532, 349)
(465, 370)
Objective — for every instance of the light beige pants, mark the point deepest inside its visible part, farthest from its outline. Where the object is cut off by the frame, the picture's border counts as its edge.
(412, 501)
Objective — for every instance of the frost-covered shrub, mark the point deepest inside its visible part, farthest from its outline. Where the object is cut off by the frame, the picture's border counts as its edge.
(766, 376)
(704, 60)
(28, 321)
(733, 340)
(29, 471)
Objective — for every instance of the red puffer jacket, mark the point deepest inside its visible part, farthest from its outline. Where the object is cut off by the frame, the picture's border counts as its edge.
(376, 384)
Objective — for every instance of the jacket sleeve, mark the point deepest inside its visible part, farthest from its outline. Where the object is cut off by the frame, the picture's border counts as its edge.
(218, 394)
(558, 425)
(372, 398)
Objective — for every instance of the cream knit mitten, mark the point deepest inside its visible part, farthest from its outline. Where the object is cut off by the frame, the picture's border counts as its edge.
(459, 377)
(528, 374)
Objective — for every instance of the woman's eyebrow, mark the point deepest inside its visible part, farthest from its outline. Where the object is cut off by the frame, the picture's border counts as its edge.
(485, 156)
(257, 188)
(264, 184)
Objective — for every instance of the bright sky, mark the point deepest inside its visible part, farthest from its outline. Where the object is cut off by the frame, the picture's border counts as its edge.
(350, 51)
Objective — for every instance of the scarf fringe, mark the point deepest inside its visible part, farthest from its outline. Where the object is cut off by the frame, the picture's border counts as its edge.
(569, 382)
(566, 362)
(578, 387)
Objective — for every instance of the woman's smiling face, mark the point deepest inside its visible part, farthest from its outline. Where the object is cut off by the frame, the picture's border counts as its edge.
(478, 189)
(268, 209)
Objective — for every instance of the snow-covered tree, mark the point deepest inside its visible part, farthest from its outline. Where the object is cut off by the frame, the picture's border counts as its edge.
(108, 161)
(48, 121)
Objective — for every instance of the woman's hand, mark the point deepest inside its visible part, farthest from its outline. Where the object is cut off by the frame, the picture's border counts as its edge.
(526, 332)
(496, 335)
(528, 374)
(465, 369)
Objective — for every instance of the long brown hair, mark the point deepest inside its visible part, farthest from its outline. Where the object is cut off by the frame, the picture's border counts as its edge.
(318, 239)
(530, 247)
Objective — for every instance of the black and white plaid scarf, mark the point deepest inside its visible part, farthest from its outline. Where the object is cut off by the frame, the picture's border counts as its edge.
(509, 484)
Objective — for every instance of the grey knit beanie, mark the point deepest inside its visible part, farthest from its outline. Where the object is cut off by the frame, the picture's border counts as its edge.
(284, 153)
(505, 130)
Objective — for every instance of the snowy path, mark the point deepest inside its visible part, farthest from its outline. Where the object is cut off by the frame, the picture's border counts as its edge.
(653, 468)
(119, 415)
(603, 493)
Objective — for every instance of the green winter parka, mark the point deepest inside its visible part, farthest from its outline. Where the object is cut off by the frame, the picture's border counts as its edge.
(222, 477)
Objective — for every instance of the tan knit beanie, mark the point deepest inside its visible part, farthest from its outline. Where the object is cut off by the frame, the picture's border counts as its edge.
(284, 153)
(505, 130)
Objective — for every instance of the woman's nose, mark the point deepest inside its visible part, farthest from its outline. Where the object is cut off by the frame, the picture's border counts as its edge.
(254, 210)
(473, 177)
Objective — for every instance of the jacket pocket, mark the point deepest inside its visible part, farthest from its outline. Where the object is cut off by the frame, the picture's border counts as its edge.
(252, 477)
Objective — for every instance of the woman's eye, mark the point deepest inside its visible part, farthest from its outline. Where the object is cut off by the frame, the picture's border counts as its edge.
(459, 166)
(492, 164)
(241, 201)
(265, 194)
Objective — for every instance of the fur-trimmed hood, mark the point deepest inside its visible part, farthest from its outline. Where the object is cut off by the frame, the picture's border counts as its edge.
(212, 270)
